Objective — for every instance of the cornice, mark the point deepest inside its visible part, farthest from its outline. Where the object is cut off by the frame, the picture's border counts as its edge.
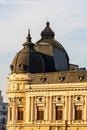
(51, 78)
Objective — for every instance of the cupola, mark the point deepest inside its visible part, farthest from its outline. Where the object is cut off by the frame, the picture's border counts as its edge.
(28, 60)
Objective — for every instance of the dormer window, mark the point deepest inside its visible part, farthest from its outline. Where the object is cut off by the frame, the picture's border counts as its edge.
(22, 67)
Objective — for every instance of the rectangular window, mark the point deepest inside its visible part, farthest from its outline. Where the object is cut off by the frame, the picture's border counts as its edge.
(20, 113)
(10, 111)
(40, 113)
(59, 112)
(78, 112)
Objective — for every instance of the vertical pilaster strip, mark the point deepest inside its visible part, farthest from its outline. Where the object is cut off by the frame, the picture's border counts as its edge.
(64, 111)
(83, 108)
(27, 109)
(65, 107)
(85, 113)
(13, 113)
(35, 110)
(31, 109)
(46, 108)
(50, 108)
(69, 108)
(73, 111)
(54, 111)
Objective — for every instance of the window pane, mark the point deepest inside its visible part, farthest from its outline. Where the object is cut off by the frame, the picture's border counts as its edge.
(59, 113)
(40, 113)
(20, 113)
(78, 112)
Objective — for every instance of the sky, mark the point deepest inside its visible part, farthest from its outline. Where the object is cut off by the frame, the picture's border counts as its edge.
(68, 19)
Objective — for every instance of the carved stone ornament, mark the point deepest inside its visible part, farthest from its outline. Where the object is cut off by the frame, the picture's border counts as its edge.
(58, 98)
(81, 77)
(40, 99)
(43, 79)
(61, 78)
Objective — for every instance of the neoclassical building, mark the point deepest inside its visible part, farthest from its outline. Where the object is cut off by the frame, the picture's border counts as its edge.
(45, 91)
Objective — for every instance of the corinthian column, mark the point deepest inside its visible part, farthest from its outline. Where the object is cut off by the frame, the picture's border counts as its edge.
(32, 110)
(14, 111)
(46, 108)
(27, 109)
(85, 113)
(73, 111)
(65, 107)
(50, 108)
(69, 108)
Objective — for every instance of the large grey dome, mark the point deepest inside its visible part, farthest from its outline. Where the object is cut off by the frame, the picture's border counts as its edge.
(51, 48)
(28, 60)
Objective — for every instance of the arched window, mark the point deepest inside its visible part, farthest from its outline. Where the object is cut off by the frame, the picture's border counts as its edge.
(40, 113)
(78, 112)
(59, 112)
(20, 113)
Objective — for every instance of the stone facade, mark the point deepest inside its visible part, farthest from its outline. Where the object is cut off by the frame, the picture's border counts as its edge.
(71, 98)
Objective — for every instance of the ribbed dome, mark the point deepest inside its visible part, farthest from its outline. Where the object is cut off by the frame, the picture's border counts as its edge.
(28, 60)
(51, 48)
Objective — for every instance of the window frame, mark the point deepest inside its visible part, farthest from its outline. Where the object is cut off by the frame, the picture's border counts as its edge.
(40, 112)
(78, 112)
(59, 112)
(20, 113)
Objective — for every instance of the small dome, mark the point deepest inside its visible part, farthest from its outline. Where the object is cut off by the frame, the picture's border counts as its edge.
(28, 60)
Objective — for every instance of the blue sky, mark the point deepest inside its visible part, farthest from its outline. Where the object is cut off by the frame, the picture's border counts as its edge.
(68, 19)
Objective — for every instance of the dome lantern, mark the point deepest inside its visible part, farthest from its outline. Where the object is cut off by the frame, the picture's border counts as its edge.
(47, 33)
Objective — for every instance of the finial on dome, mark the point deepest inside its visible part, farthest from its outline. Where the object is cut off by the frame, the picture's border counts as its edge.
(47, 23)
(28, 31)
(28, 37)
